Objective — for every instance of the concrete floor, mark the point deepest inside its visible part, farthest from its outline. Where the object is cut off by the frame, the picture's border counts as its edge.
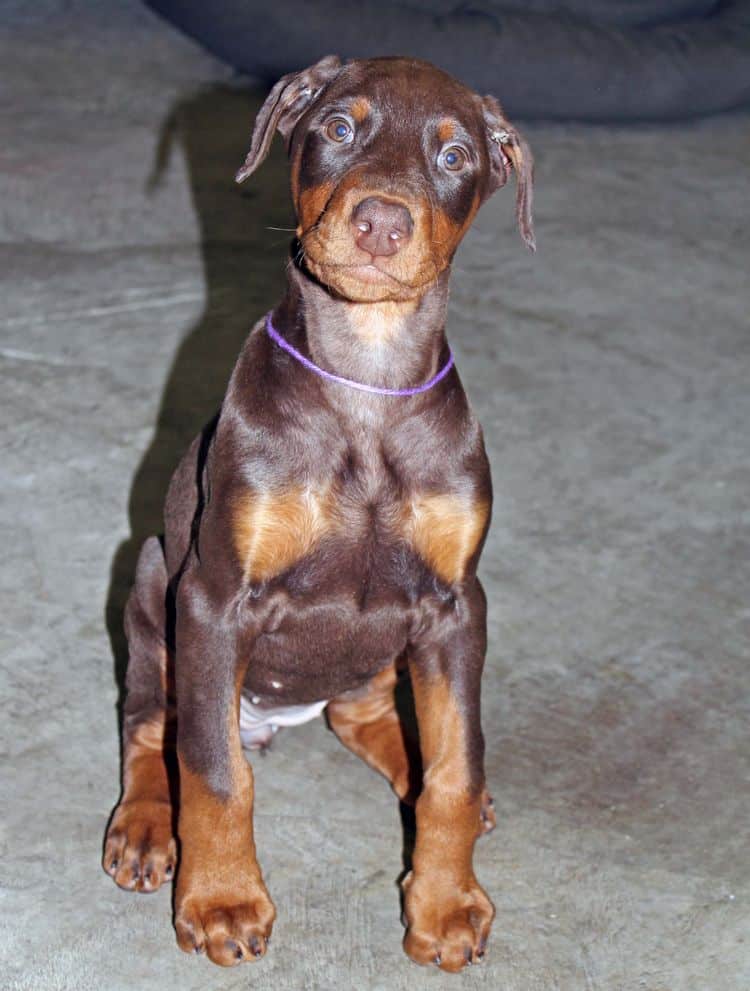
(611, 374)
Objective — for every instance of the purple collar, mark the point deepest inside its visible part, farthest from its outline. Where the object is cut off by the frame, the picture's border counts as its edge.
(276, 336)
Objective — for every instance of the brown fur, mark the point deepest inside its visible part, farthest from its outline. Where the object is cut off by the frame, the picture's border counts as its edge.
(320, 541)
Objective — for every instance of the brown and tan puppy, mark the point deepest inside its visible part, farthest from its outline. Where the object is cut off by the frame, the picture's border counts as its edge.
(319, 539)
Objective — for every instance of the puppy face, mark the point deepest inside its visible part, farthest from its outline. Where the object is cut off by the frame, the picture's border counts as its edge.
(390, 161)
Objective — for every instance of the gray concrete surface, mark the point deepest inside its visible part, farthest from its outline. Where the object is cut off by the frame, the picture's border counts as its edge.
(611, 373)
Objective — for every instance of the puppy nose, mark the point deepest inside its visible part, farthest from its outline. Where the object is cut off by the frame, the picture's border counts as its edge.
(381, 227)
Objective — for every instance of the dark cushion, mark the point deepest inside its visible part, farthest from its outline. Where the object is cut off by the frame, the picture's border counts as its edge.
(595, 60)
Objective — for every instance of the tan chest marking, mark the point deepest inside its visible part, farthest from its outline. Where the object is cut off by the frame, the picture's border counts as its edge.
(445, 530)
(272, 531)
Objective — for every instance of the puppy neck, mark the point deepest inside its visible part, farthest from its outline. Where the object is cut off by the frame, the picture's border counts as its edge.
(393, 344)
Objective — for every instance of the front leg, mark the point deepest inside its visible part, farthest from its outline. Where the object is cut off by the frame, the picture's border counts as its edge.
(222, 907)
(447, 912)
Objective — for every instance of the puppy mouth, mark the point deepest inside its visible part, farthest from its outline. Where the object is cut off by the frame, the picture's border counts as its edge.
(364, 272)
(345, 277)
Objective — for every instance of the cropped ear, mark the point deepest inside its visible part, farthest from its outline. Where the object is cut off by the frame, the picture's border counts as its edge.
(284, 106)
(508, 150)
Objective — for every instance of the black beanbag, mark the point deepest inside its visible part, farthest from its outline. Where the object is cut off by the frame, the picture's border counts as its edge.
(555, 59)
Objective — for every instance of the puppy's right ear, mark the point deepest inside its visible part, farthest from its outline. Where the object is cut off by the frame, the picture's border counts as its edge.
(284, 106)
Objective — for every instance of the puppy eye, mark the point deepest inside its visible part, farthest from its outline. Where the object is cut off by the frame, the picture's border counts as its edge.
(339, 130)
(453, 159)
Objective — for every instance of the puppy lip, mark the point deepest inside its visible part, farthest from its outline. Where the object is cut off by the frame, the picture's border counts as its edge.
(330, 272)
(369, 272)
(363, 271)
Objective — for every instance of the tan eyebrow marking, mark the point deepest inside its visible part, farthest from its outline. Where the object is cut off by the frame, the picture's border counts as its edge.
(446, 130)
(360, 108)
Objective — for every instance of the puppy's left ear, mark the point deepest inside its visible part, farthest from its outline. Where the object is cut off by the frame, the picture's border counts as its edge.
(284, 106)
(509, 151)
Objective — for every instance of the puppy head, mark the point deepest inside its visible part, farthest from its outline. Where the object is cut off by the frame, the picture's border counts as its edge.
(390, 161)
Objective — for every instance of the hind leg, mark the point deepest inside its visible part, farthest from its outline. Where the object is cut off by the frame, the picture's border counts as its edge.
(369, 724)
(140, 850)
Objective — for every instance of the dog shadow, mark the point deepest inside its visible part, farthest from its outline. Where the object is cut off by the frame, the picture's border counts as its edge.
(243, 266)
(245, 233)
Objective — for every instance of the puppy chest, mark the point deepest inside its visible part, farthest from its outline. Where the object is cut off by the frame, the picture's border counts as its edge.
(275, 533)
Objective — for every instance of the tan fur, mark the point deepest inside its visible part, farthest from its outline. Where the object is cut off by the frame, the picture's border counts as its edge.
(375, 323)
(360, 108)
(330, 248)
(446, 130)
(274, 530)
(218, 855)
(447, 234)
(312, 203)
(442, 738)
(445, 530)
(368, 724)
(140, 851)
(150, 735)
(448, 913)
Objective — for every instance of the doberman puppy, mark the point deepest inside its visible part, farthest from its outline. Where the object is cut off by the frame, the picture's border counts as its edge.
(322, 534)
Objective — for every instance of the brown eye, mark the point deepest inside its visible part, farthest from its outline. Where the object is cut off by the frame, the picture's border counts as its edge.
(340, 130)
(453, 159)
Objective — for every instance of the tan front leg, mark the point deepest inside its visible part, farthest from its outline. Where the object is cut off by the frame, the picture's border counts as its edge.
(222, 907)
(448, 914)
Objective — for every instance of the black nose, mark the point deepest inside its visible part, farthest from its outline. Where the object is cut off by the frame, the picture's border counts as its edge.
(381, 227)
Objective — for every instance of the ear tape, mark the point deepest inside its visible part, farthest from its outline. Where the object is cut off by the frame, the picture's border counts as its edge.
(501, 137)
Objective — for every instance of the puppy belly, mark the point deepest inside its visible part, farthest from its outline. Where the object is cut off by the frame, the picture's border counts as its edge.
(258, 723)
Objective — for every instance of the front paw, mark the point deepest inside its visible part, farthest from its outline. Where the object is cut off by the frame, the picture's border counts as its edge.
(231, 926)
(448, 923)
